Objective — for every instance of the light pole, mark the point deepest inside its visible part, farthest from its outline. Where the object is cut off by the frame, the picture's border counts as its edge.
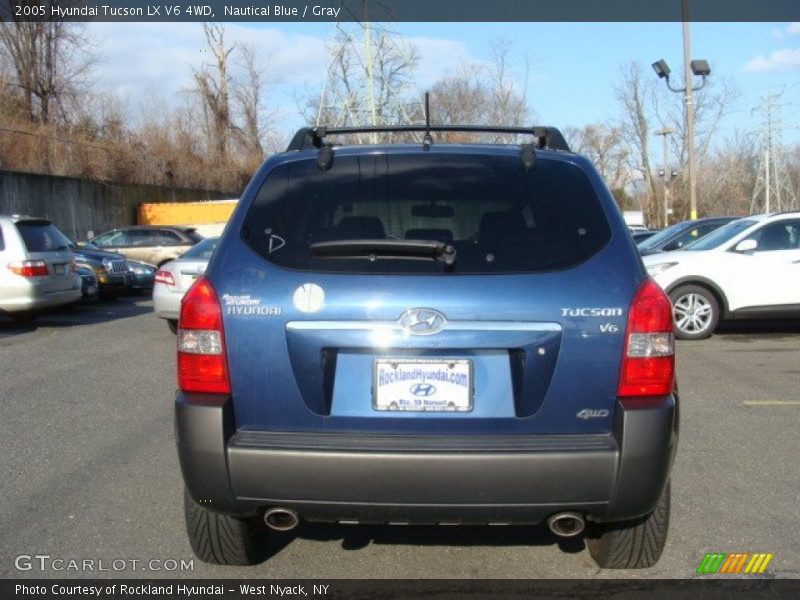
(701, 69)
(666, 175)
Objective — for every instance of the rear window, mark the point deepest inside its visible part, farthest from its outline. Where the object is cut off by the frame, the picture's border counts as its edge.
(202, 250)
(497, 216)
(42, 236)
(193, 235)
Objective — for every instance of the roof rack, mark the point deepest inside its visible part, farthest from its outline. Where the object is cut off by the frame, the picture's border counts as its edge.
(312, 137)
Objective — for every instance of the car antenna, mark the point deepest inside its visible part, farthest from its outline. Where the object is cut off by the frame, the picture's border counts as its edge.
(427, 140)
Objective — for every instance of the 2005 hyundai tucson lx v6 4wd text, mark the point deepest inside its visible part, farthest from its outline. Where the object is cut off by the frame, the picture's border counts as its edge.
(429, 334)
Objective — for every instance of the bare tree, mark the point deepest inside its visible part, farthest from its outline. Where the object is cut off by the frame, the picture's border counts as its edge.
(481, 94)
(212, 83)
(50, 60)
(604, 146)
(248, 94)
(633, 91)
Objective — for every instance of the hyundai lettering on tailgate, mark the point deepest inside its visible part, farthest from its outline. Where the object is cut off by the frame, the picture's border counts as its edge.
(422, 385)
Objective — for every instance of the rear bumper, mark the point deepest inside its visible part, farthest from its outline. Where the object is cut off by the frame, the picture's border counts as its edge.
(37, 299)
(427, 479)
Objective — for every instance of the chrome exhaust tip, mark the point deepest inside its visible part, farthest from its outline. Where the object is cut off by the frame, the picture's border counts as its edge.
(281, 519)
(566, 524)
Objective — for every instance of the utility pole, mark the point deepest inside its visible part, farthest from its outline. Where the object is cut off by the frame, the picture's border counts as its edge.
(666, 176)
(699, 68)
(687, 83)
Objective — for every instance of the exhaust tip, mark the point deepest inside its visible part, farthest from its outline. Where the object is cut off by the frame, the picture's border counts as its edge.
(566, 524)
(281, 519)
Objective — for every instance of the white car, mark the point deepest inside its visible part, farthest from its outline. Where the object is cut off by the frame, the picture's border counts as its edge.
(37, 268)
(175, 277)
(747, 269)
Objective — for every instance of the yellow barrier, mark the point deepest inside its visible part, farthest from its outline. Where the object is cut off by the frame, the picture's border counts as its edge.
(185, 213)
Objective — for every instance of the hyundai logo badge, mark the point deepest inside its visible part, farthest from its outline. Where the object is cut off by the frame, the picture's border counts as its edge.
(423, 389)
(422, 321)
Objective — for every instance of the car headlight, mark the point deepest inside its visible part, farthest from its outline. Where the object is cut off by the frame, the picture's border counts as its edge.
(658, 268)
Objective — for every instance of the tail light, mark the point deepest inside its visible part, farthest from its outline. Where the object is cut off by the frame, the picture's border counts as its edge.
(202, 362)
(28, 268)
(164, 277)
(648, 362)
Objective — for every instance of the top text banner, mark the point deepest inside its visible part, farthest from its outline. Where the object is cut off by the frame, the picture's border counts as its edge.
(400, 10)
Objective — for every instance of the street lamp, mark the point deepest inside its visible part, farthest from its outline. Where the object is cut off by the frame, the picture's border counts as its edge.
(701, 69)
(665, 174)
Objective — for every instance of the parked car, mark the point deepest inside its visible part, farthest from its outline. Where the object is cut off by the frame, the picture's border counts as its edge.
(111, 269)
(142, 277)
(174, 278)
(427, 333)
(747, 269)
(640, 236)
(88, 283)
(151, 244)
(37, 268)
(681, 234)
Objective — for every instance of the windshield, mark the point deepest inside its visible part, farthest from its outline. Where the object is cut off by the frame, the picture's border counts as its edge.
(721, 235)
(202, 250)
(493, 215)
(656, 239)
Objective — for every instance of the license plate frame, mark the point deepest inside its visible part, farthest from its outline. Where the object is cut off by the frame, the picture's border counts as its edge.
(395, 393)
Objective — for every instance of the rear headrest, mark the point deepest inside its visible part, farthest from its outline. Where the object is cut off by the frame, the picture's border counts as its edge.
(440, 235)
(361, 228)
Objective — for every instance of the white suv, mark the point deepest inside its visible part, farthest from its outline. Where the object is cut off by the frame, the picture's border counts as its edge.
(747, 269)
(37, 268)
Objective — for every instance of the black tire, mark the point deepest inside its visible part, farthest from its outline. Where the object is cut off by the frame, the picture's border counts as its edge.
(635, 544)
(24, 318)
(173, 325)
(221, 539)
(695, 312)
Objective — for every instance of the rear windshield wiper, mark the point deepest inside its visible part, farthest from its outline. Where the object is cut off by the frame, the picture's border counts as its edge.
(386, 249)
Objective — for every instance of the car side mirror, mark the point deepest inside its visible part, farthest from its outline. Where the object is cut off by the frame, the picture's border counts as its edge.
(673, 246)
(746, 246)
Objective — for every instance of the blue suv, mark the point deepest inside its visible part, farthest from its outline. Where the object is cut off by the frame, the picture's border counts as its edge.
(427, 333)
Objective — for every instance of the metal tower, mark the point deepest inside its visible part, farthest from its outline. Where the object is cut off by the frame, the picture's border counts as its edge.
(773, 191)
(370, 79)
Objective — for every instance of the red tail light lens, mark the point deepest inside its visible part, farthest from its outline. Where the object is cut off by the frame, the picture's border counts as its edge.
(164, 277)
(648, 362)
(28, 268)
(202, 362)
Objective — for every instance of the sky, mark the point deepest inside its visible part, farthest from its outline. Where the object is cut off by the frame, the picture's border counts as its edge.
(572, 66)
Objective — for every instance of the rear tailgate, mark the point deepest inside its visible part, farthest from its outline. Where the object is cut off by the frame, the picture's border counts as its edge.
(43, 242)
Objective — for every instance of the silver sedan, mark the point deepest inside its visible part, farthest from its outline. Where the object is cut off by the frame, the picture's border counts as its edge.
(175, 277)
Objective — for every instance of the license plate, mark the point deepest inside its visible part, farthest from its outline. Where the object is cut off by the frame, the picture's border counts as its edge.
(91, 290)
(422, 385)
(59, 269)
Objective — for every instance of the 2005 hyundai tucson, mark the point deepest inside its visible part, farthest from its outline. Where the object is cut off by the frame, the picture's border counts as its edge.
(427, 333)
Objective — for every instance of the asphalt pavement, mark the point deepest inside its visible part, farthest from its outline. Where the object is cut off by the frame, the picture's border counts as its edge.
(90, 473)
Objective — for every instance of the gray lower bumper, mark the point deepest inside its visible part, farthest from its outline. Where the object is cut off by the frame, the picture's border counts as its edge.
(422, 479)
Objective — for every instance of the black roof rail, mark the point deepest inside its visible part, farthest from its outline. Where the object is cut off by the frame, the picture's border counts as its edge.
(312, 137)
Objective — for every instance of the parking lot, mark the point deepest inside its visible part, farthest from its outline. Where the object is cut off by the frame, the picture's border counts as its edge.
(90, 470)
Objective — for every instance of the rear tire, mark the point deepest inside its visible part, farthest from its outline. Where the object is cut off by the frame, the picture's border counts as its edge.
(695, 311)
(24, 318)
(634, 544)
(221, 539)
(173, 325)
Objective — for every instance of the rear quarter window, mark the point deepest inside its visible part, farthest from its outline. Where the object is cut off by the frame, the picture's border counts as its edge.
(499, 217)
